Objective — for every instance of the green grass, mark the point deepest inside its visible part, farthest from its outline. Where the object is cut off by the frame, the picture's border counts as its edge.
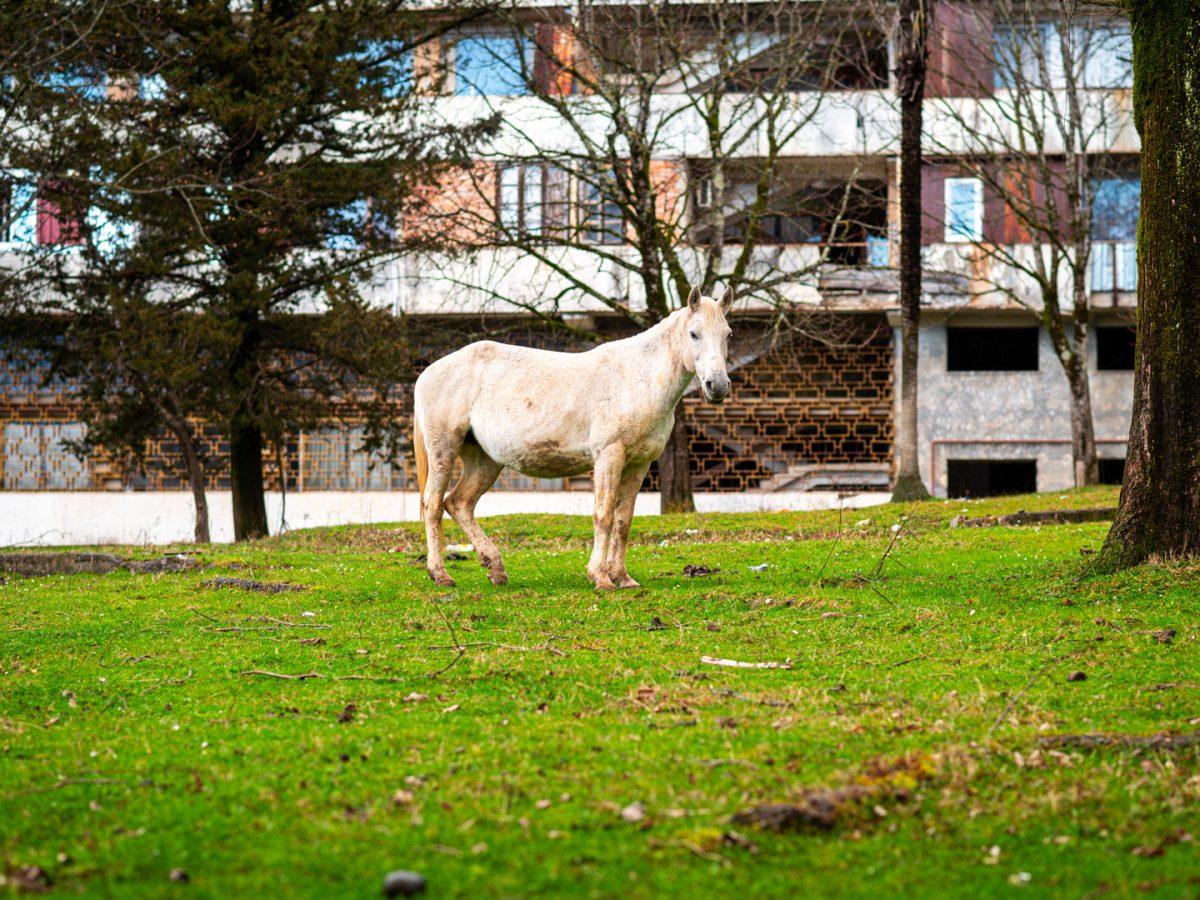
(132, 744)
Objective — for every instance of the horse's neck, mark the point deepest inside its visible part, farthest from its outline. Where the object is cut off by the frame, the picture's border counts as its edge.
(665, 349)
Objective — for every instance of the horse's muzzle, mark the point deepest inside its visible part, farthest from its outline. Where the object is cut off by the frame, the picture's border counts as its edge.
(715, 389)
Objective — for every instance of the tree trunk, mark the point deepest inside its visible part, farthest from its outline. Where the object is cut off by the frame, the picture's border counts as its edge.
(191, 459)
(1083, 429)
(196, 479)
(1159, 512)
(910, 80)
(246, 481)
(674, 475)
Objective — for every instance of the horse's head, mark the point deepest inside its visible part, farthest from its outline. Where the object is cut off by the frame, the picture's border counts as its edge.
(708, 341)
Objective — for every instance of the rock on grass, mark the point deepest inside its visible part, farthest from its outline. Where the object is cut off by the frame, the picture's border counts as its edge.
(403, 884)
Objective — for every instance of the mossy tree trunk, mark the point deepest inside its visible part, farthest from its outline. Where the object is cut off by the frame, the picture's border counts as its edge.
(910, 83)
(1159, 512)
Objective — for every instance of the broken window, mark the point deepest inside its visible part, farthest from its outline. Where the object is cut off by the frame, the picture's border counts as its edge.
(847, 219)
(991, 349)
(1115, 348)
(1112, 471)
(990, 478)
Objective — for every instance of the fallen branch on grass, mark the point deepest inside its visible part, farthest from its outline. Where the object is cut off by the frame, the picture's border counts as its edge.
(737, 664)
(1021, 693)
(544, 648)
(300, 677)
(155, 687)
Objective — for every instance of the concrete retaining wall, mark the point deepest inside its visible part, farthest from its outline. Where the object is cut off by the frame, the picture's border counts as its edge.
(73, 518)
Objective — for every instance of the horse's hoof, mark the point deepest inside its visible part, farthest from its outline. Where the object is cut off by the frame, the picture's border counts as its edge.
(627, 582)
(498, 578)
(442, 580)
(604, 583)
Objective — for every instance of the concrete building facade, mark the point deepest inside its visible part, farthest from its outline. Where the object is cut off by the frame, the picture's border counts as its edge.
(808, 414)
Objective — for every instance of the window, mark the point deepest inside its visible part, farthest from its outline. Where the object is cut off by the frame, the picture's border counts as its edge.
(991, 349)
(18, 210)
(964, 210)
(386, 66)
(1107, 56)
(990, 478)
(35, 458)
(1023, 55)
(347, 226)
(1116, 203)
(1114, 266)
(600, 218)
(85, 84)
(1114, 348)
(531, 199)
(1100, 54)
(492, 65)
(1112, 471)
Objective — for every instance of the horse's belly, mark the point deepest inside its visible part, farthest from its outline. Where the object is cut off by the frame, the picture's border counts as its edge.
(536, 452)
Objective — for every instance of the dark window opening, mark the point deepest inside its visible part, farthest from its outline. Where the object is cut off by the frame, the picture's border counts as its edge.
(1114, 348)
(1112, 471)
(991, 478)
(991, 349)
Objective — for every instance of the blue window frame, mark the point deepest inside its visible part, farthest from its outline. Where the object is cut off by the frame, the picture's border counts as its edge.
(964, 210)
(492, 65)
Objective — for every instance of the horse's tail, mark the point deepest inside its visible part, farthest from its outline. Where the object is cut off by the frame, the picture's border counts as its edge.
(422, 462)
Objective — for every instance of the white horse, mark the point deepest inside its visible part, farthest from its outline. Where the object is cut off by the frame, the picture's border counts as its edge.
(550, 415)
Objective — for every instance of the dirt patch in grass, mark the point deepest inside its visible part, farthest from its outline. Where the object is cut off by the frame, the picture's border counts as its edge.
(37, 565)
(820, 808)
(249, 584)
(1123, 741)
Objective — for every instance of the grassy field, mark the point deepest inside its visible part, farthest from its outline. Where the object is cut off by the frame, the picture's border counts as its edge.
(541, 739)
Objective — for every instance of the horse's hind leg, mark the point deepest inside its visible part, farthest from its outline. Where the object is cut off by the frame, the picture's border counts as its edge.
(442, 450)
(479, 474)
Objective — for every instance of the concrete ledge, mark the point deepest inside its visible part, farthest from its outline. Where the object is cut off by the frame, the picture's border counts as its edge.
(48, 519)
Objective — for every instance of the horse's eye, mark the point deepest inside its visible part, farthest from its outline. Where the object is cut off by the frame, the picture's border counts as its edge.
(694, 336)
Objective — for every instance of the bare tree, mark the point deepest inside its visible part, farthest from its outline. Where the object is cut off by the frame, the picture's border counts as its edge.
(1036, 148)
(655, 150)
(912, 37)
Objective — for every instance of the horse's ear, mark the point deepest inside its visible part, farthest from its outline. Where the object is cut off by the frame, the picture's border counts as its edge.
(727, 299)
(694, 299)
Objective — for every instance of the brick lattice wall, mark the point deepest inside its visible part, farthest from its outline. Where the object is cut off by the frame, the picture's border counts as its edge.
(800, 401)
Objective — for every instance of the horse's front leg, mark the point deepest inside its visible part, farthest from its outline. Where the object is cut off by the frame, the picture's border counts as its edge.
(631, 480)
(606, 482)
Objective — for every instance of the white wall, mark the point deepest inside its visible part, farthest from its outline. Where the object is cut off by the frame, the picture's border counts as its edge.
(67, 518)
(1009, 415)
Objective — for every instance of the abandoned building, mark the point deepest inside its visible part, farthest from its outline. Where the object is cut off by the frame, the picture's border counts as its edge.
(814, 365)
